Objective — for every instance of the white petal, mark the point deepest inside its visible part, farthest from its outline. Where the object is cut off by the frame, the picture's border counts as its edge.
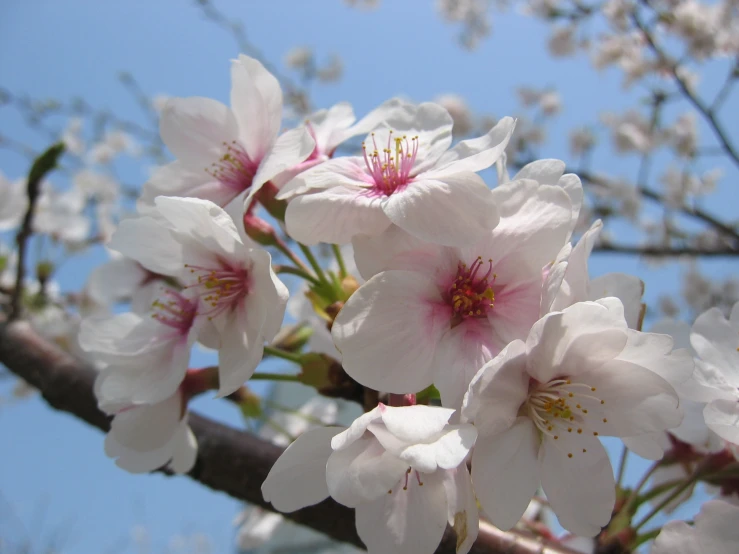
(505, 472)
(627, 288)
(582, 337)
(414, 423)
(722, 417)
(241, 350)
(405, 521)
(298, 477)
(576, 287)
(115, 281)
(335, 215)
(331, 127)
(180, 179)
(194, 129)
(715, 340)
(497, 391)
(256, 99)
(475, 154)
(362, 472)
(290, 149)
(453, 212)
(462, 506)
(270, 294)
(581, 490)
(356, 430)
(648, 446)
(185, 452)
(150, 243)
(460, 354)
(545, 172)
(347, 172)
(388, 329)
(715, 532)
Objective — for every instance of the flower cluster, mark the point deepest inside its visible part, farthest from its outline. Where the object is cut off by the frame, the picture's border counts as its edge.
(499, 363)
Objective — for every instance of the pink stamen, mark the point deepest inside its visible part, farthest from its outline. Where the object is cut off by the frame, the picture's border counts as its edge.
(470, 295)
(178, 312)
(235, 168)
(391, 169)
(222, 289)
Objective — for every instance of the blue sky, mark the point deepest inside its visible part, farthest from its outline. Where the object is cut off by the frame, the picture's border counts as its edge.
(77, 47)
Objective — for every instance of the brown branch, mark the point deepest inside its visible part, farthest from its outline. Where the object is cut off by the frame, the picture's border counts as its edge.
(664, 251)
(229, 460)
(707, 113)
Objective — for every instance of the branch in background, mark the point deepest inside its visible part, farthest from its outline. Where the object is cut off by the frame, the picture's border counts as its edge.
(707, 113)
(41, 166)
(665, 251)
(229, 460)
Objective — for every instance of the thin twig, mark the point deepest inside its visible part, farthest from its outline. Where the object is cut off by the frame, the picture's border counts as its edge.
(41, 166)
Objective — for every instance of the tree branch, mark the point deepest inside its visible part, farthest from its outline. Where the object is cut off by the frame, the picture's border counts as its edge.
(229, 460)
(664, 251)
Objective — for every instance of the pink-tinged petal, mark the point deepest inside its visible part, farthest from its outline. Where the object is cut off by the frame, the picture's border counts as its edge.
(195, 130)
(414, 423)
(340, 172)
(290, 149)
(716, 340)
(179, 179)
(256, 100)
(497, 391)
(459, 356)
(505, 472)
(579, 339)
(544, 172)
(150, 243)
(405, 521)
(362, 472)
(722, 417)
(474, 154)
(429, 122)
(453, 212)
(515, 311)
(335, 216)
(627, 288)
(298, 477)
(463, 515)
(388, 330)
(581, 489)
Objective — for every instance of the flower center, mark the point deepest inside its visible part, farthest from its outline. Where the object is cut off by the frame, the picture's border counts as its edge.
(235, 168)
(471, 294)
(563, 406)
(222, 289)
(175, 311)
(404, 480)
(390, 168)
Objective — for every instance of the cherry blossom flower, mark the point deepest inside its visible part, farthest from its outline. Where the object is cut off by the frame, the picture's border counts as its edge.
(144, 358)
(408, 177)
(224, 152)
(716, 340)
(198, 243)
(401, 469)
(143, 438)
(436, 314)
(714, 532)
(541, 405)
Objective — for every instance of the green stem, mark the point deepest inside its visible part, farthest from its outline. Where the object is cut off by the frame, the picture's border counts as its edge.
(296, 271)
(631, 503)
(339, 260)
(641, 539)
(672, 496)
(284, 354)
(622, 466)
(314, 264)
(259, 376)
(285, 249)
